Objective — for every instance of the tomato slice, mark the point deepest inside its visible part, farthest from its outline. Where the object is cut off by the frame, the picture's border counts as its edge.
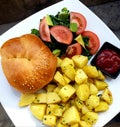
(80, 20)
(62, 34)
(74, 49)
(94, 42)
(44, 30)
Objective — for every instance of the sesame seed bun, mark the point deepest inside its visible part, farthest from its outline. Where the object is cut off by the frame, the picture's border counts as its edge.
(27, 63)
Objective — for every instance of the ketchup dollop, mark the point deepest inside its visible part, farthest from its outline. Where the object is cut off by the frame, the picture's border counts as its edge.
(108, 60)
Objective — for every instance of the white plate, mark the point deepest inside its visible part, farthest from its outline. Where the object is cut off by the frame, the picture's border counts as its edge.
(10, 98)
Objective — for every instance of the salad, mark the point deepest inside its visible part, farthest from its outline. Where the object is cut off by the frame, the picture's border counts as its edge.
(66, 36)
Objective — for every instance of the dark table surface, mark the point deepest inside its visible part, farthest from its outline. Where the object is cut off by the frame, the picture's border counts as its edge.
(108, 11)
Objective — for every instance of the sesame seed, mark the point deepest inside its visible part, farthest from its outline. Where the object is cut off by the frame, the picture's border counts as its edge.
(23, 84)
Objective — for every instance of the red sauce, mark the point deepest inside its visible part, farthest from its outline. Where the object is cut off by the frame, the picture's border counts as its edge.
(108, 60)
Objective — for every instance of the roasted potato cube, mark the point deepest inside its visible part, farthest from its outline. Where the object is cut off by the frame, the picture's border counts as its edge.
(84, 109)
(71, 116)
(74, 125)
(66, 79)
(66, 92)
(59, 61)
(70, 72)
(90, 117)
(101, 85)
(85, 124)
(26, 99)
(50, 87)
(41, 98)
(78, 103)
(80, 61)
(50, 120)
(92, 102)
(58, 77)
(93, 89)
(107, 96)
(83, 92)
(91, 71)
(49, 109)
(103, 106)
(57, 89)
(38, 110)
(66, 62)
(54, 109)
(53, 97)
(59, 124)
(80, 76)
(65, 106)
(67, 67)
(100, 75)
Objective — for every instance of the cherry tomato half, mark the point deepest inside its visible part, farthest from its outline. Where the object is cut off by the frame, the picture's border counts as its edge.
(94, 42)
(73, 49)
(80, 20)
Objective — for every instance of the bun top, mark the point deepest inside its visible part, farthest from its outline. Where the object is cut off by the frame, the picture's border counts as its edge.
(27, 63)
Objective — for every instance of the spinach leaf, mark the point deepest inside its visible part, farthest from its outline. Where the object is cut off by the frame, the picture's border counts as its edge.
(86, 52)
(35, 31)
(56, 45)
(86, 40)
(61, 18)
